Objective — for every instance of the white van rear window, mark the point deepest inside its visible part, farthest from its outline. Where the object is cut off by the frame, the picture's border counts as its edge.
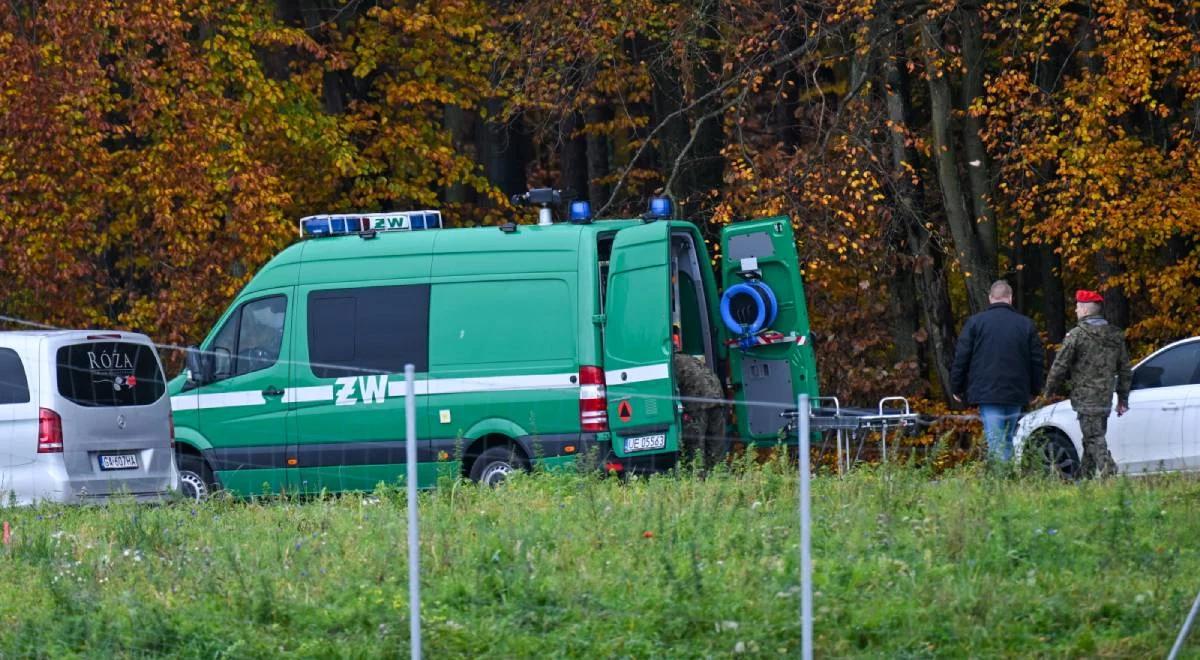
(109, 374)
(14, 387)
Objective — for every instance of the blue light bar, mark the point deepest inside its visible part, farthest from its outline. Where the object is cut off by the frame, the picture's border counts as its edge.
(581, 212)
(660, 207)
(343, 224)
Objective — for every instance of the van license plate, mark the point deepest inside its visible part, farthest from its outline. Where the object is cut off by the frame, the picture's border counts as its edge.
(118, 462)
(645, 442)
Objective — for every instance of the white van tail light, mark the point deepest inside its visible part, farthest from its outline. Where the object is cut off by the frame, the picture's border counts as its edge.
(171, 427)
(593, 400)
(50, 438)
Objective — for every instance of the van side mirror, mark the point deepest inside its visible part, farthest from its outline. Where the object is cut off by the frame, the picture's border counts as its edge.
(199, 366)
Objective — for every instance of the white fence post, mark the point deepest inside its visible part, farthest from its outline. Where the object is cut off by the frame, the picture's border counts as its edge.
(1187, 627)
(414, 546)
(806, 604)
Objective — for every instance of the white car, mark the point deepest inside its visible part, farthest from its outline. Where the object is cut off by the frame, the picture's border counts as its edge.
(1160, 433)
(83, 415)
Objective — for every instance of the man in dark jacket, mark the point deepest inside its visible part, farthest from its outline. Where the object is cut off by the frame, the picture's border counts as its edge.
(998, 366)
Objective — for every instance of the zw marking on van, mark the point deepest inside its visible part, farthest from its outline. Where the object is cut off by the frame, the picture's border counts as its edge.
(372, 389)
(345, 390)
(389, 223)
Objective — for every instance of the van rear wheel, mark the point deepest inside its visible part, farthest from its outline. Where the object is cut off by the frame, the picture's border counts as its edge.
(195, 479)
(495, 464)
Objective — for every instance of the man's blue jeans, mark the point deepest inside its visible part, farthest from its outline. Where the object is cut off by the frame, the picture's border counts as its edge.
(999, 427)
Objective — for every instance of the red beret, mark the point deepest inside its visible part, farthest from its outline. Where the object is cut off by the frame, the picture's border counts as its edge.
(1085, 296)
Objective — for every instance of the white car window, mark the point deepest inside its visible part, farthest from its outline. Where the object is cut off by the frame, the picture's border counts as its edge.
(1177, 366)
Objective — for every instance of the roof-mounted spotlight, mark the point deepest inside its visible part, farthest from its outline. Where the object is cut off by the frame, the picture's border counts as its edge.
(544, 199)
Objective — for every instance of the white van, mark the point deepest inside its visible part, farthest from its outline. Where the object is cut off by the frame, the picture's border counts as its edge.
(83, 415)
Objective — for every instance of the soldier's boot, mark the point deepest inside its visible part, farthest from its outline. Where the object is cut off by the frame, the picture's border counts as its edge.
(1097, 460)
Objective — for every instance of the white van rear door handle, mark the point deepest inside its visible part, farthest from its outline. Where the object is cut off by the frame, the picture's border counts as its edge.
(1170, 406)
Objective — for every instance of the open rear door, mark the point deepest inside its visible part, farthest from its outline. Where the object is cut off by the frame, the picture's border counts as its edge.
(772, 369)
(637, 343)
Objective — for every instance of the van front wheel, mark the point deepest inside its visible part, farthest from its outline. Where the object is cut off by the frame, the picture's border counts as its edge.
(195, 479)
(494, 465)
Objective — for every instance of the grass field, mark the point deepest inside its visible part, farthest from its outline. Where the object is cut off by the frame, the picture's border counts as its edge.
(567, 565)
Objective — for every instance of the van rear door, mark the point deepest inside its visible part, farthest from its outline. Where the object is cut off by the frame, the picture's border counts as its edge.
(637, 343)
(767, 377)
(111, 398)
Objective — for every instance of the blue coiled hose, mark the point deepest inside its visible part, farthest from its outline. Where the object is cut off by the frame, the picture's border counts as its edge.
(764, 300)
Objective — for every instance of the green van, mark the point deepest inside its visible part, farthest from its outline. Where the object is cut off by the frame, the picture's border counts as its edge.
(532, 344)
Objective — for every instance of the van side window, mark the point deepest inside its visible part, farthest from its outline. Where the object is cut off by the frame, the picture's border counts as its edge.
(260, 335)
(368, 330)
(251, 338)
(14, 388)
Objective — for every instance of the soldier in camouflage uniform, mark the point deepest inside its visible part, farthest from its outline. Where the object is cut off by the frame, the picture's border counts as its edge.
(1094, 358)
(703, 420)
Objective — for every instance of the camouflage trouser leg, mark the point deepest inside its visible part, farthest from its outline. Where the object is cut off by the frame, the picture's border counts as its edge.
(1096, 456)
(715, 443)
(693, 433)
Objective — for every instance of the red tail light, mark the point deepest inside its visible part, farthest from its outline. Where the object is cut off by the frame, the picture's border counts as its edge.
(50, 439)
(171, 425)
(593, 400)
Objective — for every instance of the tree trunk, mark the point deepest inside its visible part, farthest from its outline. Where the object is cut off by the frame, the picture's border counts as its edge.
(312, 13)
(707, 166)
(573, 156)
(962, 229)
(908, 232)
(978, 170)
(1054, 299)
(461, 126)
(666, 100)
(503, 151)
(1116, 303)
(599, 164)
(1048, 268)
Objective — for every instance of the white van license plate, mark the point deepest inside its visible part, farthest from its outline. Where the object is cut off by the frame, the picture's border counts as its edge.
(645, 442)
(118, 462)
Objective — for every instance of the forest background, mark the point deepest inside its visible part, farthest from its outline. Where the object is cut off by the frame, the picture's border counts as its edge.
(154, 154)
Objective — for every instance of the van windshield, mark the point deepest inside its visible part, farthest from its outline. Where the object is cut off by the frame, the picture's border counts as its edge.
(110, 374)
